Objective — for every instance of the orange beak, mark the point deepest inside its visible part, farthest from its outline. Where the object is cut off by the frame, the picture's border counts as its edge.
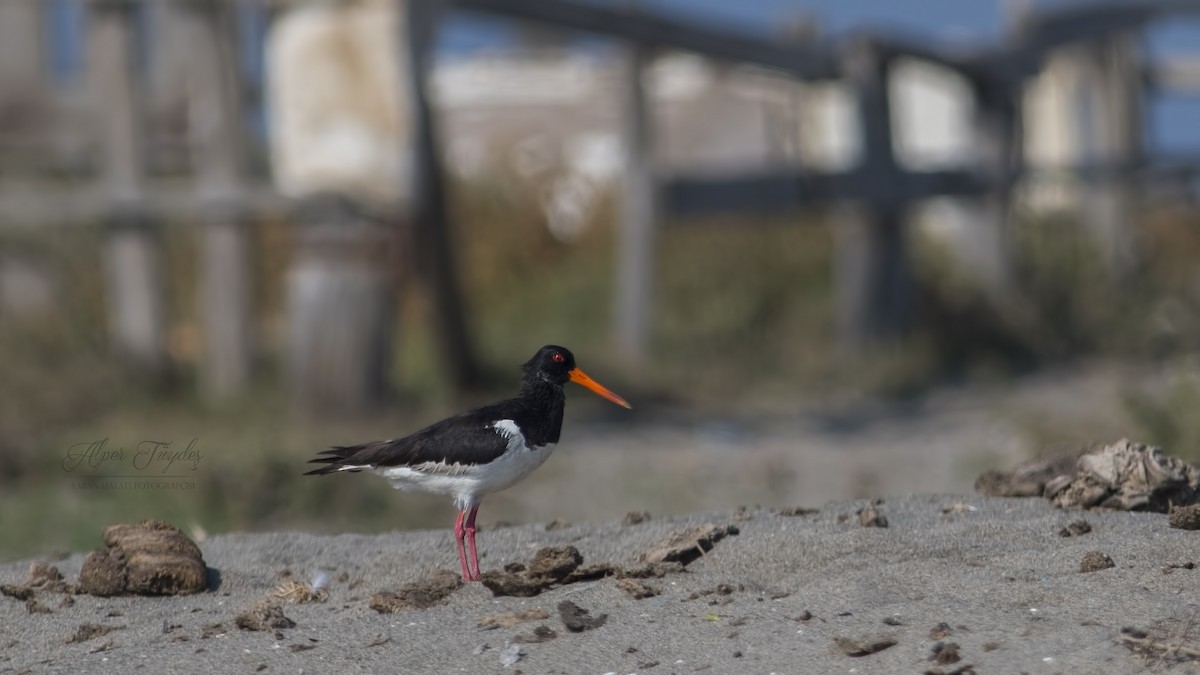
(579, 377)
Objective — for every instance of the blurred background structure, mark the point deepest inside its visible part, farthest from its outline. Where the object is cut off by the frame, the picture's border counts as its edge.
(828, 249)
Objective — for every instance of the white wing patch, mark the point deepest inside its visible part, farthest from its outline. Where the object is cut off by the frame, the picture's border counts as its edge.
(468, 483)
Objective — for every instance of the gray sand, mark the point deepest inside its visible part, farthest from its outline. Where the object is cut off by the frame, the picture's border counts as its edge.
(999, 575)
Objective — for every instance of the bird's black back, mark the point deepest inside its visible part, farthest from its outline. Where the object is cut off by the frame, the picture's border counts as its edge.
(466, 438)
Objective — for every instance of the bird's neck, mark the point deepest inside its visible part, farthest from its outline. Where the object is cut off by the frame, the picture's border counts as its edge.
(541, 410)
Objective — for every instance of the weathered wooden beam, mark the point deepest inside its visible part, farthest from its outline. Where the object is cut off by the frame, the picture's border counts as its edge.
(1110, 123)
(203, 30)
(780, 190)
(986, 247)
(872, 270)
(21, 67)
(656, 31)
(340, 308)
(430, 218)
(42, 205)
(136, 305)
(638, 225)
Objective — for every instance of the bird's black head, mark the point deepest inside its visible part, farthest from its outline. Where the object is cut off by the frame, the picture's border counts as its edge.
(556, 365)
(552, 364)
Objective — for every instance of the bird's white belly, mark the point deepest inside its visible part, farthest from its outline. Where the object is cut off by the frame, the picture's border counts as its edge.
(468, 483)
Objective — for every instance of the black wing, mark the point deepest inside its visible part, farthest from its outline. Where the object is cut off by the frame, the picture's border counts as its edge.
(468, 438)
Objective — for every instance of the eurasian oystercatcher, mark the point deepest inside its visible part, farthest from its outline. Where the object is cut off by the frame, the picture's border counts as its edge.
(478, 452)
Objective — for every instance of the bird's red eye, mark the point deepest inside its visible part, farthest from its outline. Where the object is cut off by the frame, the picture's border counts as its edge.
(558, 357)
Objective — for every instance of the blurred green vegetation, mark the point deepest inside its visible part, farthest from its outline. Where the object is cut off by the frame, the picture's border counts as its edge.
(743, 323)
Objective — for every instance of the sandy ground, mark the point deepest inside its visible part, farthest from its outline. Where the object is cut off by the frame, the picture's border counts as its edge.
(787, 594)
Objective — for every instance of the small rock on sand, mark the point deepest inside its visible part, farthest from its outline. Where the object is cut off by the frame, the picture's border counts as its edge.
(1184, 517)
(555, 562)
(685, 547)
(264, 616)
(863, 647)
(1094, 561)
(635, 518)
(1075, 528)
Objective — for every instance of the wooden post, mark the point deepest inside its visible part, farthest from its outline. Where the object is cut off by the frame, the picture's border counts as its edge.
(431, 226)
(203, 31)
(872, 275)
(995, 147)
(340, 308)
(137, 320)
(638, 215)
(340, 295)
(1110, 114)
(21, 55)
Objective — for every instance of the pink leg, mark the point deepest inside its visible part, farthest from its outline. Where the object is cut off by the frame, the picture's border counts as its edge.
(470, 531)
(459, 533)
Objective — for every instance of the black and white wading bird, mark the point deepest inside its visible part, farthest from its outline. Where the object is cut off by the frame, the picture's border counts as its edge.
(478, 452)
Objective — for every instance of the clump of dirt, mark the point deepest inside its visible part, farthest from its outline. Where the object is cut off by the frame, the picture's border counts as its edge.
(637, 589)
(47, 578)
(264, 616)
(863, 646)
(551, 566)
(794, 511)
(89, 631)
(554, 562)
(1125, 476)
(33, 606)
(555, 566)
(423, 594)
(16, 591)
(1030, 479)
(147, 558)
(513, 584)
(635, 518)
(509, 619)
(871, 516)
(1184, 517)
(940, 631)
(557, 524)
(1094, 561)
(1075, 528)
(945, 653)
(577, 619)
(687, 546)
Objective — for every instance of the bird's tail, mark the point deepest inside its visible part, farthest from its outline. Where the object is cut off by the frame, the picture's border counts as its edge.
(335, 459)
